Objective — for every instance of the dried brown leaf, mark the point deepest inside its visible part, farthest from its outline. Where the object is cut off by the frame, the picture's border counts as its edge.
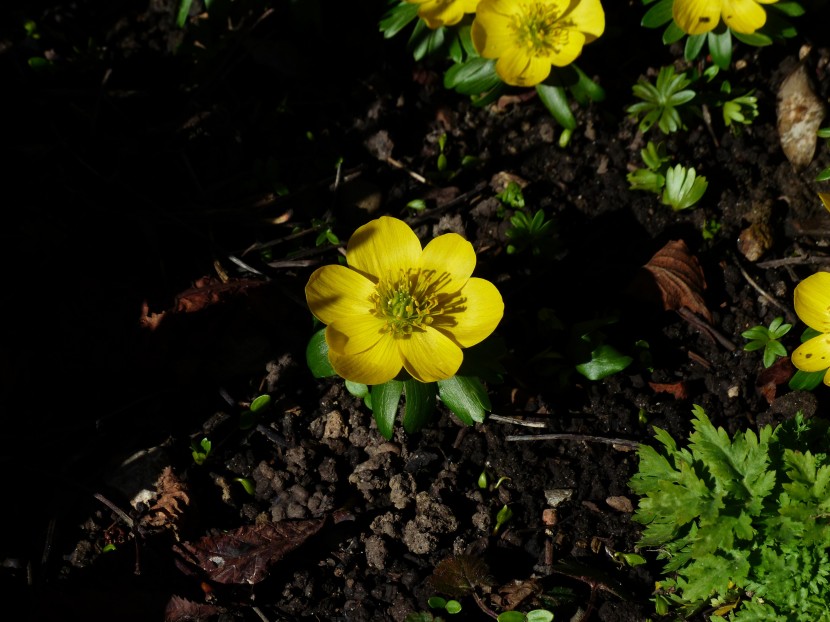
(677, 389)
(172, 502)
(800, 113)
(180, 609)
(247, 554)
(770, 378)
(458, 575)
(679, 278)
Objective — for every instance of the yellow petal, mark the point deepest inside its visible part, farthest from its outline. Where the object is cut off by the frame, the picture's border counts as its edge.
(429, 356)
(516, 68)
(696, 16)
(451, 259)
(492, 34)
(813, 355)
(744, 16)
(376, 365)
(477, 317)
(812, 301)
(827, 377)
(383, 247)
(354, 333)
(564, 55)
(335, 291)
(587, 17)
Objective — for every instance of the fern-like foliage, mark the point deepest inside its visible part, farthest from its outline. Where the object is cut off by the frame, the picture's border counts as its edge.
(743, 522)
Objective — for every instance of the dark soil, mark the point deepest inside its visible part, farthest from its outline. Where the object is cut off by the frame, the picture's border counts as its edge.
(144, 175)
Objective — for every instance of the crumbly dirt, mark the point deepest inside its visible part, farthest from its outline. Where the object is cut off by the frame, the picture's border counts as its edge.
(147, 170)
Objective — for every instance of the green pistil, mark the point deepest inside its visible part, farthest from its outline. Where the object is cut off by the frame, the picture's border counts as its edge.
(539, 30)
(405, 303)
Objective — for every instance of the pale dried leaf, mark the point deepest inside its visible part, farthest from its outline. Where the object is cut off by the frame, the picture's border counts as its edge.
(800, 113)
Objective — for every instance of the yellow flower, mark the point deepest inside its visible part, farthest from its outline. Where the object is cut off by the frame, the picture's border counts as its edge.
(400, 306)
(698, 16)
(812, 304)
(528, 36)
(437, 13)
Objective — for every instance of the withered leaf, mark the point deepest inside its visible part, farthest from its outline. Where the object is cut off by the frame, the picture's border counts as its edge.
(171, 504)
(677, 389)
(180, 609)
(800, 113)
(247, 554)
(770, 378)
(458, 575)
(678, 277)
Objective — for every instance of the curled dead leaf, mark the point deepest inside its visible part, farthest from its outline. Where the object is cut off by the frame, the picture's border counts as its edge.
(673, 276)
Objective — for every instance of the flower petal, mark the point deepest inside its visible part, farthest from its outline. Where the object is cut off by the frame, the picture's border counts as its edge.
(812, 301)
(452, 260)
(429, 356)
(587, 17)
(516, 68)
(334, 292)
(376, 365)
(744, 16)
(696, 16)
(812, 355)
(355, 333)
(478, 315)
(383, 247)
(492, 32)
(564, 55)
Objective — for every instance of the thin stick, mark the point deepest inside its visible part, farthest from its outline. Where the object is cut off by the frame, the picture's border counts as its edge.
(574, 437)
(790, 318)
(517, 421)
(694, 320)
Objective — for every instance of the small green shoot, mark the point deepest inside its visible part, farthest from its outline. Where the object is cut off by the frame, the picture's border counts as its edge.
(683, 188)
(529, 232)
(247, 484)
(451, 606)
(741, 109)
(761, 337)
(201, 451)
(710, 228)
(483, 480)
(661, 101)
(512, 196)
(652, 178)
(325, 235)
(416, 205)
(504, 515)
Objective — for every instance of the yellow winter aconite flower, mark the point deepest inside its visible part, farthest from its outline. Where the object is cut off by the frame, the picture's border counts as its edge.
(437, 13)
(398, 305)
(812, 304)
(529, 36)
(698, 16)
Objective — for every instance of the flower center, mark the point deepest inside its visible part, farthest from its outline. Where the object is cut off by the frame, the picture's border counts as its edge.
(537, 28)
(408, 301)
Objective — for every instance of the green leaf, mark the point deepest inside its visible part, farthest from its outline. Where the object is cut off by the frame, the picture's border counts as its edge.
(720, 47)
(806, 381)
(585, 88)
(420, 404)
(556, 101)
(453, 607)
(511, 616)
(658, 15)
(755, 39)
(466, 397)
(317, 355)
(605, 361)
(791, 9)
(385, 400)
(260, 403)
(694, 43)
(673, 33)
(184, 11)
(539, 615)
(397, 18)
(424, 41)
(437, 602)
(823, 175)
(357, 389)
(476, 76)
